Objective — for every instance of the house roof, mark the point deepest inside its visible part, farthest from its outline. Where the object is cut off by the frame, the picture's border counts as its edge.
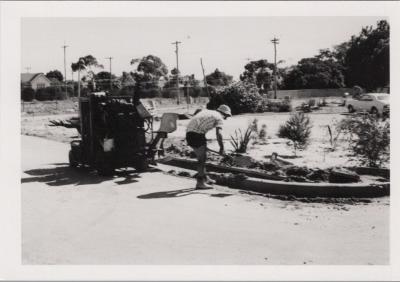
(28, 77)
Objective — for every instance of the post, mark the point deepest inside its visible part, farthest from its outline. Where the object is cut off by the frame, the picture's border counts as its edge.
(65, 70)
(110, 58)
(79, 84)
(204, 78)
(275, 41)
(186, 90)
(177, 69)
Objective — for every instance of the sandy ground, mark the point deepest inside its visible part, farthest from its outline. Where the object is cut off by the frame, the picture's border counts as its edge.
(76, 217)
(316, 155)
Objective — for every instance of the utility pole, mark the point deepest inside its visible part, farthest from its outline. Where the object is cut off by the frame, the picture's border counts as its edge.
(65, 70)
(177, 68)
(275, 41)
(204, 78)
(28, 69)
(110, 58)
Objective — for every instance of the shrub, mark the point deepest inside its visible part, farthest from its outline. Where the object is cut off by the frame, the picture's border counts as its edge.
(127, 90)
(27, 94)
(45, 94)
(279, 106)
(149, 93)
(241, 97)
(254, 125)
(262, 134)
(168, 93)
(322, 103)
(368, 138)
(197, 92)
(240, 141)
(269, 105)
(298, 130)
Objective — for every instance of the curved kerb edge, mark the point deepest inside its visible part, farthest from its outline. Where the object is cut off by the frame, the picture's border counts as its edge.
(279, 187)
(299, 189)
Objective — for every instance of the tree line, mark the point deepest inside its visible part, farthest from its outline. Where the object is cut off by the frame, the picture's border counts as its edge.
(363, 60)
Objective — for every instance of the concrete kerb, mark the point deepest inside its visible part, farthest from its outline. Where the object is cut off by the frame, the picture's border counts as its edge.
(277, 187)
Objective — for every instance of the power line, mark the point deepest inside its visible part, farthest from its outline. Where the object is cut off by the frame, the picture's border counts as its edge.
(275, 41)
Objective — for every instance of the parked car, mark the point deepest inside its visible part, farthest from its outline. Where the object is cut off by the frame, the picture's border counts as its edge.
(374, 103)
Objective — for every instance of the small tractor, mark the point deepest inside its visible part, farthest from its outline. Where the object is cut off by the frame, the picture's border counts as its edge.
(116, 132)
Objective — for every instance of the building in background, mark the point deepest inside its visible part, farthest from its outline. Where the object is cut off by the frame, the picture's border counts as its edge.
(34, 81)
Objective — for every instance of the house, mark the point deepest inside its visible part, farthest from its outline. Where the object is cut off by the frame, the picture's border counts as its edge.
(34, 80)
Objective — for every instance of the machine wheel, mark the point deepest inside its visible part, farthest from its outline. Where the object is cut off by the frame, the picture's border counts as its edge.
(72, 160)
(104, 167)
(142, 165)
(105, 170)
(350, 108)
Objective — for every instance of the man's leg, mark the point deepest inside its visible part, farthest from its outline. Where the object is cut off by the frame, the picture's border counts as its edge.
(201, 159)
(201, 154)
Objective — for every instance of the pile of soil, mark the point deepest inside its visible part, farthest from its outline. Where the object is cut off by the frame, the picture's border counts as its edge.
(286, 170)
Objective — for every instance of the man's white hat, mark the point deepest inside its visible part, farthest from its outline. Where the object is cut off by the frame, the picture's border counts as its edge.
(225, 110)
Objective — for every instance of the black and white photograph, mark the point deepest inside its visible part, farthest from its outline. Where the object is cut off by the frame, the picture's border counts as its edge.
(160, 137)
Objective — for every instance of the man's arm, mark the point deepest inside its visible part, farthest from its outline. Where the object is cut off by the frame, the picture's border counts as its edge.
(218, 132)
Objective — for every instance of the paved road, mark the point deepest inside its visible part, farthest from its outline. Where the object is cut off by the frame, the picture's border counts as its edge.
(76, 217)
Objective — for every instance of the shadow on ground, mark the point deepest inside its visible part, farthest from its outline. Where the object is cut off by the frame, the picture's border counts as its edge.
(182, 193)
(61, 174)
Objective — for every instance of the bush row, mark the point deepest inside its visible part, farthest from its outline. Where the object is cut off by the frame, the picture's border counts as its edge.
(45, 94)
(58, 93)
(243, 97)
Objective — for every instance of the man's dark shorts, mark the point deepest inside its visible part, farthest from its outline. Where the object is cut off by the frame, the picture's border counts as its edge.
(196, 140)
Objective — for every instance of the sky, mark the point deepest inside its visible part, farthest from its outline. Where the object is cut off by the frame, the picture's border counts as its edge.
(226, 43)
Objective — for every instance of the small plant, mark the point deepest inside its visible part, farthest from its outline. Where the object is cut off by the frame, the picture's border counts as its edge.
(254, 125)
(259, 134)
(240, 141)
(368, 138)
(334, 132)
(322, 103)
(262, 134)
(298, 130)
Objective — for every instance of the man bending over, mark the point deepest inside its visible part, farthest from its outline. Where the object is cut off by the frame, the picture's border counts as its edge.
(196, 131)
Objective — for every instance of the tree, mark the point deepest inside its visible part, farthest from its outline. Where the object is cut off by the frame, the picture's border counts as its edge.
(55, 74)
(103, 81)
(171, 80)
(86, 64)
(149, 70)
(147, 75)
(218, 78)
(321, 71)
(260, 73)
(127, 79)
(367, 59)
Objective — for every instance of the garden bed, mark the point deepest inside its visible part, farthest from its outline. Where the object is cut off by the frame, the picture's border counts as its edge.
(279, 176)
